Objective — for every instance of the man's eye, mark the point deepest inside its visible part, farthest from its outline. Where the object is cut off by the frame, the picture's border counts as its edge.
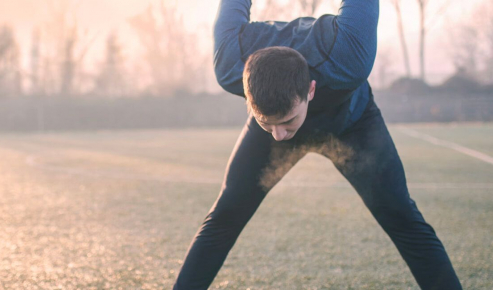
(264, 127)
(290, 121)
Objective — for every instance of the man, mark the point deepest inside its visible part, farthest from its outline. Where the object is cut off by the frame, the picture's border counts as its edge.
(305, 84)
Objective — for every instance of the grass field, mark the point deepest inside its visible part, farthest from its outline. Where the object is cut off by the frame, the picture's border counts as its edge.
(118, 210)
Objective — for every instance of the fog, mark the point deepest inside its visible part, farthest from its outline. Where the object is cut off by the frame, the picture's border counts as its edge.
(106, 52)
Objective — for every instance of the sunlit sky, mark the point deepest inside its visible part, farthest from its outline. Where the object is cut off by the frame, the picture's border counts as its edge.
(101, 16)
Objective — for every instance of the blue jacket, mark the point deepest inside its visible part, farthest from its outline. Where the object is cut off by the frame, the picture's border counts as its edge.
(339, 49)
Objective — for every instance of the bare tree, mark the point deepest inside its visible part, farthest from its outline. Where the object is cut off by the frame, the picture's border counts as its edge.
(426, 20)
(64, 48)
(489, 60)
(68, 65)
(10, 76)
(465, 53)
(111, 80)
(383, 66)
(272, 10)
(309, 7)
(488, 36)
(172, 54)
(471, 43)
(35, 62)
(422, 33)
(402, 36)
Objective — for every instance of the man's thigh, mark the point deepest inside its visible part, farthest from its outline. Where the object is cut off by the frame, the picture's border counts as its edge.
(372, 165)
(366, 155)
(256, 164)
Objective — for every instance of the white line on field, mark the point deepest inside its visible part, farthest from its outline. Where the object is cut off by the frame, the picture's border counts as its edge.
(33, 162)
(439, 142)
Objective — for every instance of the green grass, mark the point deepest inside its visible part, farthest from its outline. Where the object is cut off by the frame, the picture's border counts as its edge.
(119, 209)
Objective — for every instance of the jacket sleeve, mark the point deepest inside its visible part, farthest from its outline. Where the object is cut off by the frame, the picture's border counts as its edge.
(231, 16)
(339, 49)
(351, 59)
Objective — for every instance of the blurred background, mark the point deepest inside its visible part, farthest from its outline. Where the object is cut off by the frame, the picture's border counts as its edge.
(114, 139)
(72, 64)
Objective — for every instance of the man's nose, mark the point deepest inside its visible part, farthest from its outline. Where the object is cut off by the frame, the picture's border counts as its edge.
(278, 133)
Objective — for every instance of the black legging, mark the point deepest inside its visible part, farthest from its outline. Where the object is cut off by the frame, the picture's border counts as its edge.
(364, 153)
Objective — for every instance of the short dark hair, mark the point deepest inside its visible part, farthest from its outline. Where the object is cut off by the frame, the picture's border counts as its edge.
(275, 78)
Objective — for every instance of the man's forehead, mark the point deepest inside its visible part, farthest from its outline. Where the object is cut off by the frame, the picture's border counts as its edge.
(276, 119)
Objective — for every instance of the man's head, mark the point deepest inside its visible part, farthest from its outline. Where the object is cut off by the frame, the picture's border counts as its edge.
(277, 88)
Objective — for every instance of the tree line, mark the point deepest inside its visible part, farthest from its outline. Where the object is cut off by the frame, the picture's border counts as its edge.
(173, 62)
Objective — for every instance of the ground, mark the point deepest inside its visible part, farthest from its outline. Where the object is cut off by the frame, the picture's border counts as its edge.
(118, 210)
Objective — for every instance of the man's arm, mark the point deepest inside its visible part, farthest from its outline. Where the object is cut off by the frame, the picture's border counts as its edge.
(228, 66)
(339, 49)
(351, 59)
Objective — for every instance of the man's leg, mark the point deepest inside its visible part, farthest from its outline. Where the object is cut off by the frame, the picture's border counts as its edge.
(257, 163)
(365, 154)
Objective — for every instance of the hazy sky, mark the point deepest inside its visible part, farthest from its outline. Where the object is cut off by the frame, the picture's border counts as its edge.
(100, 16)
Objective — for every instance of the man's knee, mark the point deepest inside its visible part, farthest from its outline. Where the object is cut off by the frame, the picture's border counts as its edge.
(229, 213)
(400, 215)
(225, 217)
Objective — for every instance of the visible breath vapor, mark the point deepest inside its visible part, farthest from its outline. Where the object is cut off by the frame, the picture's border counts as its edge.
(282, 159)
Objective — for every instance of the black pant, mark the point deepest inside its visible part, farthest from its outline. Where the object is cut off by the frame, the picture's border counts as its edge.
(364, 153)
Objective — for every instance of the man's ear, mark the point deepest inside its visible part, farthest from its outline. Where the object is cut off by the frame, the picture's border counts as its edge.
(311, 91)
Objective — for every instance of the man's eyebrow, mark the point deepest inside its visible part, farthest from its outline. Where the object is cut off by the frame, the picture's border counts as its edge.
(285, 122)
(289, 120)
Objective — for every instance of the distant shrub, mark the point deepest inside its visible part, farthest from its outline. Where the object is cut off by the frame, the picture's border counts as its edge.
(407, 85)
(488, 89)
(460, 83)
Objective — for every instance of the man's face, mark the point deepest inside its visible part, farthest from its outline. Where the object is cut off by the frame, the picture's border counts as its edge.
(286, 127)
